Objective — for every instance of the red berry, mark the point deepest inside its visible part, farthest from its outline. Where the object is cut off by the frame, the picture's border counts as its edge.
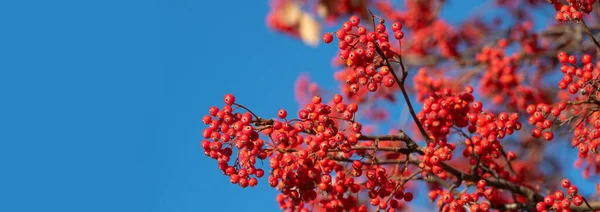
(327, 37)
(355, 20)
(548, 135)
(408, 196)
(537, 132)
(229, 99)
(396, 26)
(540, 206)
(572, 190)
(260, 173)
(577, 200)
(549, 200)
(252, 182)
(586, 59)
(380, 28)
(510, 155)
(477, 106)
(399, 35)
(481, 183)
(565, 183)
(316, 100)
(282, 114)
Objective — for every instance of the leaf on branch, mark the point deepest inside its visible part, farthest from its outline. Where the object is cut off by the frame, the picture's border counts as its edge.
(310, 30)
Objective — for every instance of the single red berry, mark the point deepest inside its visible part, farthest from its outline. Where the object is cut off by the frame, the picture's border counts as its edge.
(572, 190)
(327, 37)
(577, 200)
(399, 35)
(408, 196)
(484, 206)
(380, 28)
(481, 183)
(548, 135)
(549, 200)
(477, 106)
(536, 133)
(259, 173)
(317, 100)
(229, 99)
(572, 59)
(355, 20)
(337, 98)
(352, 107)
(565, 183)
(540, 206)
(252, 182)
(558, 195)
(586, 59)
(396, 26)
(510, 155)
(282, 114)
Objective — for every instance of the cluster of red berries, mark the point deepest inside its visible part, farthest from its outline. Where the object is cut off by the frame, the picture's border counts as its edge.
(298, 175)
(228, 130)
(572, 10)
(445, 110)
(426, 85)
(316, 120)
(300, 172)
(542, 116)
(557, 201)
(428, 32)
(359, 47)
(383, 192)
(575, 79)
(583, 80)
(586, 137)
(447, 202)
(500, 79)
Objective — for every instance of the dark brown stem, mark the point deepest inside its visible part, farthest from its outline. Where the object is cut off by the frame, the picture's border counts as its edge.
(400, 83)
(245, 108)
(587, 31)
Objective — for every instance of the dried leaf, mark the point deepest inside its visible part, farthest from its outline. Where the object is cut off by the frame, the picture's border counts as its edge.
(290, 14)
(310, 30)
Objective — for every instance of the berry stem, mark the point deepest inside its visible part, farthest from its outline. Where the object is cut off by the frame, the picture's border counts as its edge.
(587, 31)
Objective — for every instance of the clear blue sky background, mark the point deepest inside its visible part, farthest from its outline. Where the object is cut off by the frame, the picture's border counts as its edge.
(102, 100)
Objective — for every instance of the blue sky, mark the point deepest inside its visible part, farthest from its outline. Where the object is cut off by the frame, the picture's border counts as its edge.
(102, 101)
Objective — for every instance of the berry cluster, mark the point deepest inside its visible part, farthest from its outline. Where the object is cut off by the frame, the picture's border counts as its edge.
(445, 110)
(448, 202)
(542, 117)
(299, 171)
(316, 119)
(426, 85)
(586, 137)
(384, 192)
(360, 47)
(576, 79)
(557, 201)
(572, 11)
(582, 82)
(229, 130)
(500, 79)
(429, 33)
